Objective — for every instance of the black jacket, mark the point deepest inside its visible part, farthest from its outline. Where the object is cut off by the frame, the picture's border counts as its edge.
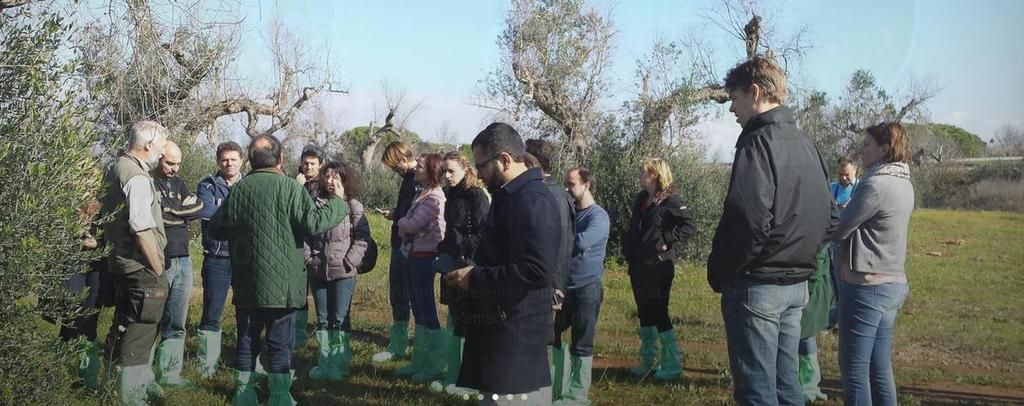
(464, 215)
(567, 222)
(508, 314)
(668, 222)
(406, 195)
(778, 210)
(176, 215)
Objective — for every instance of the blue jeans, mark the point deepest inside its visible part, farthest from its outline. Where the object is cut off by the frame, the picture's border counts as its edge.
(762, 327)
(216, 282)
(332, 300)
(397, 290)
(867, 317)
(808, 346)
(179, 275)
(580, 311)
(419, 279)
(279, 324)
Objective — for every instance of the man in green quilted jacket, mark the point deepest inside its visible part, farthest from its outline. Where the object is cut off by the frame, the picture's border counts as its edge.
(264, 220)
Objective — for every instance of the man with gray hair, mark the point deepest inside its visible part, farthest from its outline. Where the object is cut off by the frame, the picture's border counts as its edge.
(136, 261)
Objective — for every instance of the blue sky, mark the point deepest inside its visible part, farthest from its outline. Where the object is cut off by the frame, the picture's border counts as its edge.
(439, 50)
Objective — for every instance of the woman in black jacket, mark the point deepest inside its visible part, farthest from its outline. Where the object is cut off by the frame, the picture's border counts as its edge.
(658, 221)
(466, 207)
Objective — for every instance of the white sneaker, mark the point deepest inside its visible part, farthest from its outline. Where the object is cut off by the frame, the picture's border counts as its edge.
(382, 357)
(437, 386)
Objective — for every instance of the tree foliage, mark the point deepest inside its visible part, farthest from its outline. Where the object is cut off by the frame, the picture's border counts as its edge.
(47, 172)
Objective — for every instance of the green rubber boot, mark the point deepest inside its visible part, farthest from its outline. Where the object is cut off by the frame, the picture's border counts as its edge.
(580, 376)
(135, 384)
(280, 390)
(338, 355)
(671, 365)
(245, 390)
(810, 377)
(323, 367)
(398, 343)
(301, 318)
(648, 351)
(89, 365)
(559, 377)
(454, 355)
(419, 348)
(433, 358)
(170, 358)
(209, 352)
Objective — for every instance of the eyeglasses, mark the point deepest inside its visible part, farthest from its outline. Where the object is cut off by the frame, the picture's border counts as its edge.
(480, 165)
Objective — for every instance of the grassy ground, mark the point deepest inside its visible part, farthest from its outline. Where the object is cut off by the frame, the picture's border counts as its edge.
(959, 337)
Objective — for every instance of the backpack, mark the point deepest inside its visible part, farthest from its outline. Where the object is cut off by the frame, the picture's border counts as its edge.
(369, 260)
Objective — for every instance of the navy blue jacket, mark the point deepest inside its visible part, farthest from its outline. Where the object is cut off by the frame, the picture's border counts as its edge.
(212, 191)
(508, 309)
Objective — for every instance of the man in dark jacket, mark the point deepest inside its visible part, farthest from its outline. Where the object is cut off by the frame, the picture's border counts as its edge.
(509, 311)
(179, 207)
(265, 219)
(216, 271)
(778, 213)
(399, 157)
(543, 151)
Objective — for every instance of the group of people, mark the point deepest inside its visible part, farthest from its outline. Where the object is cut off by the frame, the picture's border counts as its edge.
(521, 256)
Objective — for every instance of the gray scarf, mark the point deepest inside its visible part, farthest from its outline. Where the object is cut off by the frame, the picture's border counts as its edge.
(897, 169)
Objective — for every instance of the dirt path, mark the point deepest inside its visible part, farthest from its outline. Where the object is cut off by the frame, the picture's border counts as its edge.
(940, 392)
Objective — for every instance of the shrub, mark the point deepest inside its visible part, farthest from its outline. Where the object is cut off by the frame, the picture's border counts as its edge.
(616, 164)
(47, 172)
(380, 188)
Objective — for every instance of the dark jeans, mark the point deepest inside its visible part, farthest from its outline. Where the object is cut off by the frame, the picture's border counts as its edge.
(762, 328)
(139, 299)
(397, 291)
(216, 282)
(652, 285)
(85, 323)
(333, 300)
(419, 279)
(279, 324)
(580, 311)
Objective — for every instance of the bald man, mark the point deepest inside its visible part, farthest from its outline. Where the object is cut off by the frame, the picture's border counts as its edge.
(179, 207)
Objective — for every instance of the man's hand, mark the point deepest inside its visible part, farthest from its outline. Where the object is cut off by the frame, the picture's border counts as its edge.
(189, 200)
(89, 242)
(557, 300)
(301, 178)
(459, 278)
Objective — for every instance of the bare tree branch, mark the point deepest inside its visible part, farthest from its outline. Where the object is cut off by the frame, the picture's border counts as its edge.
(5, 4)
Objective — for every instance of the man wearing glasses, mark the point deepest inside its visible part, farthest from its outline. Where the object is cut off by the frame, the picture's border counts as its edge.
(509, 288)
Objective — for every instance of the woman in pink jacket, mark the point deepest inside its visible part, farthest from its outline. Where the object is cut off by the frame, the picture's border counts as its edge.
(421, 230)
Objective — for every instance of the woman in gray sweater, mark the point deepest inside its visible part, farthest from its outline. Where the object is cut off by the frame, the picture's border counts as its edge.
(872, 240)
